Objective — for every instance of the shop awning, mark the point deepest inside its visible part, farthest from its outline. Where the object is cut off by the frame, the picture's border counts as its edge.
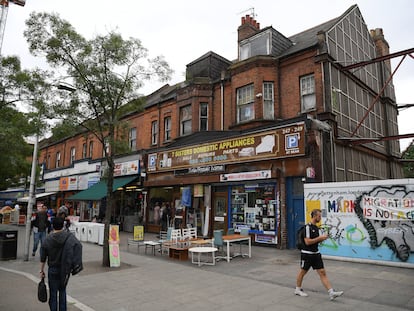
(99, 191)
(38, 195)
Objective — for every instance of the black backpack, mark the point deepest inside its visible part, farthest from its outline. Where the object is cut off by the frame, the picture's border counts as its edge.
(300, 238)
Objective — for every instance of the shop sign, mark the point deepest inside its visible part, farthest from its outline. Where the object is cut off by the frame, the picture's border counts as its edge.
(93, 179)
(126, 168)
(266, 239)
(201, 170)
(246, 175)
(68, 183)
(288, 141)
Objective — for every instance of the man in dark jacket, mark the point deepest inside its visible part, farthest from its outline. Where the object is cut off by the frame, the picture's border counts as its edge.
(40, 225)
(52, 250)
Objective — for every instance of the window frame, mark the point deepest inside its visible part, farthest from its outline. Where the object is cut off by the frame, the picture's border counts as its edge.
(268, 101)
(186, 120)
(132, 138)
(57, 162)
(91, 145)
(84, 152)
(203, 118)
(246, 46)
(154, 132)
(72, 155)
(245, 100)
(167, 128)
(307, 92)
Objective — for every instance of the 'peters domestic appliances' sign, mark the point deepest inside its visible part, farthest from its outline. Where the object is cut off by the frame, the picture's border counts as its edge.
(279, 143)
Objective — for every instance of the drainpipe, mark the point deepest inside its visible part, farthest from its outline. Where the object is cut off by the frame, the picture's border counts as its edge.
(223, 73)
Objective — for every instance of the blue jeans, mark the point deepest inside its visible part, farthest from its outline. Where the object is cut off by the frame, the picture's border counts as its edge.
(54, 289)
(38, 236)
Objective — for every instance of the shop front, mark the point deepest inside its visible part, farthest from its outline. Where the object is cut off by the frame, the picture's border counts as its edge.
(128, 197)
(235, 183)
(254, 205)
(92, 201)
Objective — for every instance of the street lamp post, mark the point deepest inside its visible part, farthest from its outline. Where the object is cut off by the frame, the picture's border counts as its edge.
(32, 199)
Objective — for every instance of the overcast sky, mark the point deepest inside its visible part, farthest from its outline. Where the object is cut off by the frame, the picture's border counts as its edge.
(184, 30)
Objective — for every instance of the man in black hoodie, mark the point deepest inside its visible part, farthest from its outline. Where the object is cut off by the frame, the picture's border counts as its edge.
(52, 250)
(40, 225)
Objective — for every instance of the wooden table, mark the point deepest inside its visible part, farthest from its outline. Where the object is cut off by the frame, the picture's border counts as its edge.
(201, 242)
(178, 252)
(231, 238)
(203, 250)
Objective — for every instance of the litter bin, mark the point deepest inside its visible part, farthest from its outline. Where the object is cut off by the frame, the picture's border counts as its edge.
(8, 243)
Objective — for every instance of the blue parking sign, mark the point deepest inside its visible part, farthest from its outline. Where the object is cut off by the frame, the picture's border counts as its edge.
(292, 141)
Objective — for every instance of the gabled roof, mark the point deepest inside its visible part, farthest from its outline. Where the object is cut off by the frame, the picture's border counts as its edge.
(210, 54)
(308, 38)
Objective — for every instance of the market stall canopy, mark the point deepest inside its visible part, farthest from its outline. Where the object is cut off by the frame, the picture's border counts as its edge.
(98, 191)
(38, 195)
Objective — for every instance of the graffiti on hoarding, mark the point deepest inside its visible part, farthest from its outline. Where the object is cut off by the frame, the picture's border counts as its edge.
(396, 230)
(365, 221)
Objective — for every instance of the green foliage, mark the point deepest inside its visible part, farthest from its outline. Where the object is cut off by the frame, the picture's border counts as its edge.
(17, 88)
(409, 166)
(63, 130)
(15, 151)
(106, 73)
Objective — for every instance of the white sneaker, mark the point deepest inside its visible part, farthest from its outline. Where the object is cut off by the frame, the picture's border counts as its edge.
(335, 294)
(300, 292)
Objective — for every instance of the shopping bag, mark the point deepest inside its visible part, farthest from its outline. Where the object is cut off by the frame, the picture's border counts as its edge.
(42, 291)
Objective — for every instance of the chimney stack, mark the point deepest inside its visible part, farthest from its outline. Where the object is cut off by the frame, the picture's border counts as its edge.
(382, 46)
(249, 27)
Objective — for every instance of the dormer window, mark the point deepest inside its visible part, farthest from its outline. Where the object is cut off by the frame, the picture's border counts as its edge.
(259, 44)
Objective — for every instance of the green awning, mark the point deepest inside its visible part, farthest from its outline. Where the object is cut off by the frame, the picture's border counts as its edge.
(99, 191)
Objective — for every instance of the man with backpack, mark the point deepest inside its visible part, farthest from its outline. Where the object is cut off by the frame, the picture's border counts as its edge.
(63, 253)
(311, 257)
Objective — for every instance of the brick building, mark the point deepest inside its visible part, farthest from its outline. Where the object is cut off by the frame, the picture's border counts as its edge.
(232, 145)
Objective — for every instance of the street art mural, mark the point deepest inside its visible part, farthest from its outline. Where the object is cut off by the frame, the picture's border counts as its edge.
(368, 220)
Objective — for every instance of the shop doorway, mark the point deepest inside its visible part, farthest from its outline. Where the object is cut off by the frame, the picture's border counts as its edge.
(295, 208)
(220, 212)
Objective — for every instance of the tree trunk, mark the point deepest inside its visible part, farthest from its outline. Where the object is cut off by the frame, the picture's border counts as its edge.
(108, 211)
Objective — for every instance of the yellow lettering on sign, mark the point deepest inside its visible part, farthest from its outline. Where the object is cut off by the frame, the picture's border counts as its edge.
(242, 142)
(207, 148)
(182, 152)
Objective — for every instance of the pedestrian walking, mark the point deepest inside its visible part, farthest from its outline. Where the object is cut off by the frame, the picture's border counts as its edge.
(311, 257)
(40, 226)
(51, 251)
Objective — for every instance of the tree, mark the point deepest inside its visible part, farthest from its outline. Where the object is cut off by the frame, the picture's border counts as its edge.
(408, 166)
(17, 87)
(106, 73)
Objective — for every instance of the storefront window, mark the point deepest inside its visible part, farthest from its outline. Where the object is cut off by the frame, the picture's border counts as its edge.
(254, 207)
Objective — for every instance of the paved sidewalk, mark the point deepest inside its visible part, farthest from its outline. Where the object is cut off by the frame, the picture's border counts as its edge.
(264, 282)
